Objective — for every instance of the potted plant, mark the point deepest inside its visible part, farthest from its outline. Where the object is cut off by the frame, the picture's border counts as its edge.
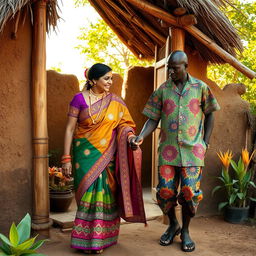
(60, 190)
(19, 241)
(237, 185)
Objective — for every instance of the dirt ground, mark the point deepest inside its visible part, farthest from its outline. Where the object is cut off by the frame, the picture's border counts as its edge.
(213, 237)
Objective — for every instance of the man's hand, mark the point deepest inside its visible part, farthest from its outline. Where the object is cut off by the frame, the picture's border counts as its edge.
(135, 142)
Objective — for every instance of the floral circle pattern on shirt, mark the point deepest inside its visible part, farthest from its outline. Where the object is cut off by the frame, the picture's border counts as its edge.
(173, 126)
(166, 193)
(167, 172)
(169, 106)
(198, 151)
(192, 131)
(169, 153)
(194, 106)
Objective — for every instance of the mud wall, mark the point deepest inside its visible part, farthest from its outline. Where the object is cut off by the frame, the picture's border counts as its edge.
(60, 90)
(139, 86)
(15, 124)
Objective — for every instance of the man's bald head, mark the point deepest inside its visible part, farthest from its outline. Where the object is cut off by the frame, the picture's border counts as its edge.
(178, 57)
(177, 64)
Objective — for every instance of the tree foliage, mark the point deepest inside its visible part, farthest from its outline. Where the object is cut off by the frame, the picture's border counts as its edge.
(243, 18)
(100, 44)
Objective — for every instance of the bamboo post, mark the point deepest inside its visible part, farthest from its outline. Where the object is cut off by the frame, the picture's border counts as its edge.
(40, 217)
(165, 16)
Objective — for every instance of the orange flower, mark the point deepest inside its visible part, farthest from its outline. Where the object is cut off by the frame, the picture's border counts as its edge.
(225, 158)
(59, 175)
(245, 157)
(52, 171)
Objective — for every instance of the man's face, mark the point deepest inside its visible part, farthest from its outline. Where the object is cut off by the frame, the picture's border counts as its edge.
(177, 71)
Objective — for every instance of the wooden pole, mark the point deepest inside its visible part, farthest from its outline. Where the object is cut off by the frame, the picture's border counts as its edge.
(178, 39)
(40, 217)
(164, 15)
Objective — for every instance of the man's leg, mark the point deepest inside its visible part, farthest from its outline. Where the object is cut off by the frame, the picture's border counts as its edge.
(167, 200)
(189, 199)
(173, 229)
(188, 244)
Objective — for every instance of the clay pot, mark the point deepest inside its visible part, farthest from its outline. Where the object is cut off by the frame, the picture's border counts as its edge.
(60, 200)
(235, 214)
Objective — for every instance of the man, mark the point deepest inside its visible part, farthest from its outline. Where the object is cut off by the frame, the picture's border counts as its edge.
(185, 107)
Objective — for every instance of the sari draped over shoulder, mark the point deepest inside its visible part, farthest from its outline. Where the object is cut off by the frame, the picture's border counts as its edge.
(106, 172)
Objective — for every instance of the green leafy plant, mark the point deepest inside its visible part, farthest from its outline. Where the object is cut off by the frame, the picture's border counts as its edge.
(19, 242)
(237, 183)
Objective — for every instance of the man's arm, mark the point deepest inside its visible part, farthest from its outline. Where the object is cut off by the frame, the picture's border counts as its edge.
(208, 127)
(148, 128)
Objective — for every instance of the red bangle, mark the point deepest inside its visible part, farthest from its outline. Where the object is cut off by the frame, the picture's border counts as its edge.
(66, 156)
(64, 161)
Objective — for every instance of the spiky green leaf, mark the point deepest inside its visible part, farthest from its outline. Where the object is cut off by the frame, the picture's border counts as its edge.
(5, 239)
(13, 235)
(240, 195)
(232, 199)
(28, 252)
(216, 189)
(24, 228)
(252, 184)
(234, 165)
(6, 248)
(252, 199)
(38, 244)
(27, 244)
(222, 205)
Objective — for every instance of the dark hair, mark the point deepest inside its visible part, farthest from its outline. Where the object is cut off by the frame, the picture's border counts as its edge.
(95, 72)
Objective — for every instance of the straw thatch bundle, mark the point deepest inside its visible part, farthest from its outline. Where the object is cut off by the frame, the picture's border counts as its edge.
(140, 29)
(9, 8)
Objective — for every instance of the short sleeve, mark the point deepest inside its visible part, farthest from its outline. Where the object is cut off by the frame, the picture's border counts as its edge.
(153, 106)
(75, 105)
(209, 102)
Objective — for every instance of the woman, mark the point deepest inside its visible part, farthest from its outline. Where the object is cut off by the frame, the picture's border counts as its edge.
(100, 126)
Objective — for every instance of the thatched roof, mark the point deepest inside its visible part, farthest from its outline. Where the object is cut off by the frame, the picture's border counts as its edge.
(9, 8)
(129, 23)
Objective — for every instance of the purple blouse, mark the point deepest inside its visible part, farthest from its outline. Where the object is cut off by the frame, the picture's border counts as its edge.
(77, 104)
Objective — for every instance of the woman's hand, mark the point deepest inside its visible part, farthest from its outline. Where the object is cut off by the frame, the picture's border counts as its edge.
(135, 142)
(67, 168)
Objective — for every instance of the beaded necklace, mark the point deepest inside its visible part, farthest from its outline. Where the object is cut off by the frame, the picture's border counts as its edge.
(94, 121)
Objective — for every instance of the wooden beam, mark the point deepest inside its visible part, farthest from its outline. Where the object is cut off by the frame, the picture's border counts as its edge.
(154, 10)
(220, 51)
(164, 15)
(143, 49)
(148, 41)
(107, 20)
(138, 21)
(40, 217)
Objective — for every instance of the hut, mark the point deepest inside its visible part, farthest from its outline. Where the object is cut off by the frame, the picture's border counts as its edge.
(150, 29)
